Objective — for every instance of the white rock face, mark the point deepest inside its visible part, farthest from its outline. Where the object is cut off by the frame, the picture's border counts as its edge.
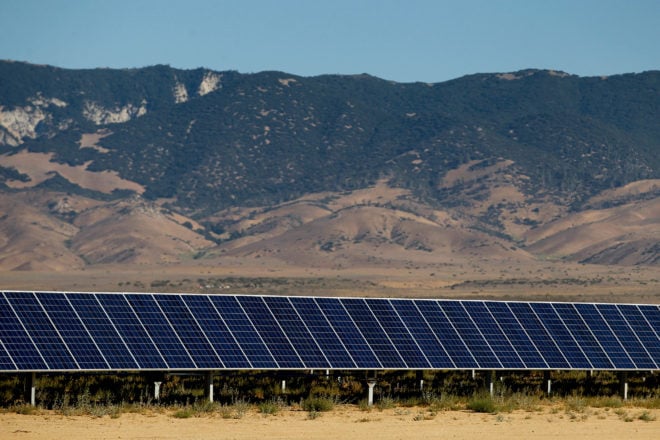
(21, 122)
(210, 83)
(96, 113)
(40, 101)
(180, 93)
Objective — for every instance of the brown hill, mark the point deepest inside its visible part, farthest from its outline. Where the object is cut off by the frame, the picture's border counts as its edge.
(628, 234)
(370, 228)
(56, 232)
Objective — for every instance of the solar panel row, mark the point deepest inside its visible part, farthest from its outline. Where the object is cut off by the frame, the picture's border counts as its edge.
(44, 331)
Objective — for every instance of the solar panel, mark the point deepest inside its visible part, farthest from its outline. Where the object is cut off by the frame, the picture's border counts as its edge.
(447, 334)
(398, 334)
(348, 333)
(43, 334)
(216, 331)
(510, 326)
(373, 333)
(188, 331)
(537, 332)
(323, 334)
(422, 334)
(58, 331)
(20, 348)
(642, 330)
(296, 330)
(243, 332)
(561, 336)
(72, 331)
(132, 331)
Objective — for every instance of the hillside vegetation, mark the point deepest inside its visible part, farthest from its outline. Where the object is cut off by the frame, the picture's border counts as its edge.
(160, 165)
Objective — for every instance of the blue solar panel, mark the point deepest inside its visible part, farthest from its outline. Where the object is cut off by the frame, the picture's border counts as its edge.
(446, 334)
(217, 332)
(188, 330)
(492, 332)
(17, 342)
(348, 333)
(73, 332)
(41, 331)
(271, 332)
(607, 340)
(552, 355)
(50, 331)
(132, 331)
(102, 331)
(398, 334)
(373, 333)
(421, 332)
(474, 340)
(652, 315)
(583, 336)
(644, 332)
(322, 332)
(516, 335)
(6, 362)
(626, 336)
(557, 330)
(243, 331)
(297, 333)
(167, 342)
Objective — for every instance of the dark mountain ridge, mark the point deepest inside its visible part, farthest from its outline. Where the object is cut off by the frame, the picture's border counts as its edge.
(285, 135)
(205, 141)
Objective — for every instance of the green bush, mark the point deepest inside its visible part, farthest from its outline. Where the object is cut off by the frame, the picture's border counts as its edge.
(482, 404)
(317, 404)
(386, 402)
(646, 416)
(183, 413)
(269, 407)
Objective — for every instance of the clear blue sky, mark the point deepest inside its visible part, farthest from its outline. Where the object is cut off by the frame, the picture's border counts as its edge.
(411, 40)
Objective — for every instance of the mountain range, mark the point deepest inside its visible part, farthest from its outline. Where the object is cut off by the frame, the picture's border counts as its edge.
(163, 166)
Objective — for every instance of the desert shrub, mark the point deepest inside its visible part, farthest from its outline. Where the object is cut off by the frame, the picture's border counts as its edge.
(183, 413)
(646, 416)
(606, 402)
(386, 402)
(482, 404)
(575, 403)
(317, 404)
(313, 415)
(269, 407)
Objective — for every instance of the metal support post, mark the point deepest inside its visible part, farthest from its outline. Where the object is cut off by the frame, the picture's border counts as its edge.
(157, 385)
(548, 382)
(371, 383)
(623, 385)
(370, 399)
(209, 386)
(420, 379)
(33, 389)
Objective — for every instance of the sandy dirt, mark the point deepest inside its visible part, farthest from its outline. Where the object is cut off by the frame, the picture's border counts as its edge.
(342, 423)
(534, 282)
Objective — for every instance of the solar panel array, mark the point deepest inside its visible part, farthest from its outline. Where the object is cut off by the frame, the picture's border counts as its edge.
(42, 331)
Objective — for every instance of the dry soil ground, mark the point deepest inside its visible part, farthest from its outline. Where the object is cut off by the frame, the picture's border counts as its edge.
(551, 281)
(344, 423)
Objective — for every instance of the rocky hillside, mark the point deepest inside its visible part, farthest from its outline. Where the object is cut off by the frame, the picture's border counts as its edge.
(159, 165)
